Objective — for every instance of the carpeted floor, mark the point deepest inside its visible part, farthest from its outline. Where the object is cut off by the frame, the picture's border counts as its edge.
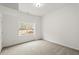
(39, 47)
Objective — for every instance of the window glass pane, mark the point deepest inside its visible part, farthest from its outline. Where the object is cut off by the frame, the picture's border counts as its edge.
(26, 29)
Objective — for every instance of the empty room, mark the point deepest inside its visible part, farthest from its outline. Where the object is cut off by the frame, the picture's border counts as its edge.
(39, 28)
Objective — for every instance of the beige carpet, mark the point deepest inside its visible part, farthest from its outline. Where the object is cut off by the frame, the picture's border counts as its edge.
(39, 47)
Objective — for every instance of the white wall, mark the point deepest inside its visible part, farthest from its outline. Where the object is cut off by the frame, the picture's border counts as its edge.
(0, 33)
(10, 24)
(62, 27)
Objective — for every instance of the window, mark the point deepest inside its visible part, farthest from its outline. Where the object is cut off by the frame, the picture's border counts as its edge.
(26, 29)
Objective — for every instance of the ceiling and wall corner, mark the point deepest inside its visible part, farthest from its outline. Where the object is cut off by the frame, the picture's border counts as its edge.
(10, 5)
(44, 9)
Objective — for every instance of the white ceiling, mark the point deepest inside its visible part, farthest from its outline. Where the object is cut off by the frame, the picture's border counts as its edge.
(41, 11)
